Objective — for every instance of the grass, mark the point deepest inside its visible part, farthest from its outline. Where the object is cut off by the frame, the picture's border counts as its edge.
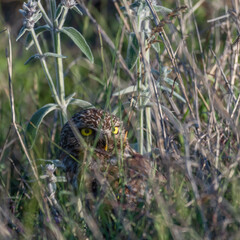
(186, 96)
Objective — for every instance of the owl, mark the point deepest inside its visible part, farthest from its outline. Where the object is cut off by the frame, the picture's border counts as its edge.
(96, 142)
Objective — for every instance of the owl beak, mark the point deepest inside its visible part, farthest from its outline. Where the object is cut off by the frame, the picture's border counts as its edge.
(106, 147)
(125, 137)
(106, 143)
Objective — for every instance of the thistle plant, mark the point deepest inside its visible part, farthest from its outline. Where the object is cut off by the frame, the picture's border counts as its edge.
(54, 21)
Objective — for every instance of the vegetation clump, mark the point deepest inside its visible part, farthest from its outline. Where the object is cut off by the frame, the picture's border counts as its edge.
(170, 72)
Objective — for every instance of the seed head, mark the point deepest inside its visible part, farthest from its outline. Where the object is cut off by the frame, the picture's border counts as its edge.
(31, 13)
(69, 3)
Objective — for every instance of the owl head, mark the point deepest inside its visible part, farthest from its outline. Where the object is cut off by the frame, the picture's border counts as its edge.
(95, 128)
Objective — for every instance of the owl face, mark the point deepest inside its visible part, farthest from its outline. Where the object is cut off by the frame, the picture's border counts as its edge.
(97, 129)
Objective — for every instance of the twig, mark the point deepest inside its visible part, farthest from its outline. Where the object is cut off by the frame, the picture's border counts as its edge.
(121, 15)
(218, 18)
(224, 76)
(235, 107)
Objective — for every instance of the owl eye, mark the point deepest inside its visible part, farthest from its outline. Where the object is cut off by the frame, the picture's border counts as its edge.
(86, 131)
(115, 130)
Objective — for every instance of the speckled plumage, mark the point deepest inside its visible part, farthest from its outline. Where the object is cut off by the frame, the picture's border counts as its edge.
(104, 164)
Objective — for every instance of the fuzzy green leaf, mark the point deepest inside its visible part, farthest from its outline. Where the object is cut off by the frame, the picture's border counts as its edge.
(80, 103)
(38, 31)
(50, 54)
(33, 57)
(21, 33)
(174, 93)
(69, 98)
(37, 17)
(58, 11)
(79, 40)
(162, 10)
(36, 120)
(127, 90)
(77, 10)
(132, 51)
(47, 54)
(53, 7)
(156, 47)
(170, 81)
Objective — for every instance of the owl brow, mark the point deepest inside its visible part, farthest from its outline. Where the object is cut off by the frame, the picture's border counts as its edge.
(99, 125)
(104, 116)
(114, 122)
(100, 122)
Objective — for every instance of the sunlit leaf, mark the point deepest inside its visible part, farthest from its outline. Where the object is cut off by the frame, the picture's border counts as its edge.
(79, 40)
(127, 90)
(80, 103)
(69, 98)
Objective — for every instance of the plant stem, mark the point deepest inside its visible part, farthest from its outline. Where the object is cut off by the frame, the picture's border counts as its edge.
(142, 30)
(44, 65)
(141, 110)
(60, 74)
(63, 17)
(45, 16)
(59, 62)
(147, 109)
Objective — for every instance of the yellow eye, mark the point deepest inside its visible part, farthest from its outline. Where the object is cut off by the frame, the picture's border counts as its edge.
(86, 131)
(115, 130)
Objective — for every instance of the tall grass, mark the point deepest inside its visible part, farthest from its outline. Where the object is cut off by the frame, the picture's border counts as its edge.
(171, 71)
